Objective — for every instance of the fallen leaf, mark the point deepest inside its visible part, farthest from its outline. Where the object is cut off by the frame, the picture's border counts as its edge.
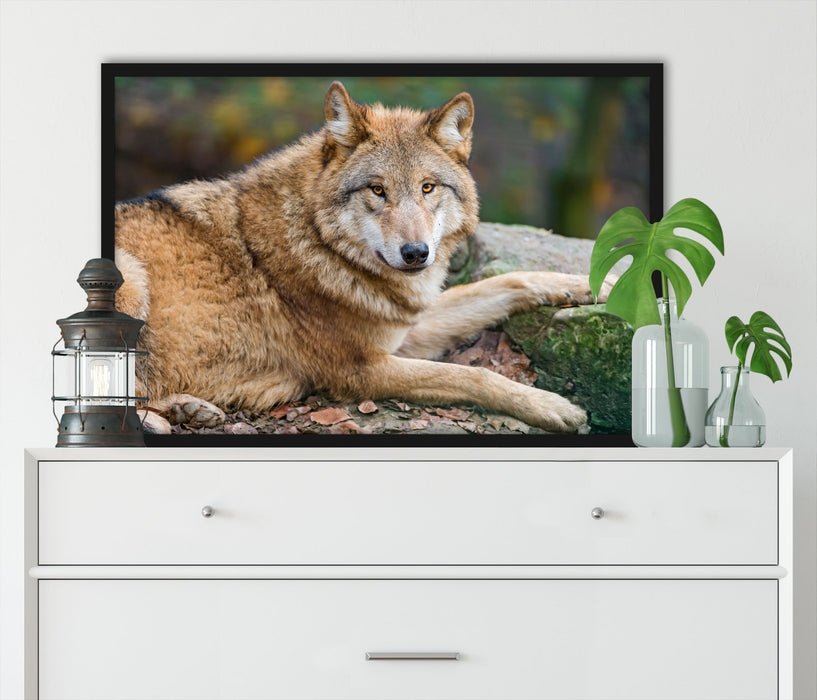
(517, 425)
(367, 407)
(349, 426)
(297, 411)
(440, 420)
(470, 356)
(453, 413)
(280, 412)
(493, 350)
(468, 425)
(417, 424)
(495, 422)
(288, 430)
(329, 416)
(240, 429)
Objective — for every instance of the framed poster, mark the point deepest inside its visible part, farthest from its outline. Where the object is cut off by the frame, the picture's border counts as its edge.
(377, 254)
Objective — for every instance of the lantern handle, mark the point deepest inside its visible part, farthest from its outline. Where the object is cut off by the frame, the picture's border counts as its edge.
(127, 376)
(147, 381)
(128, 388)
(53, 387)
(82, 339)
(79, 393)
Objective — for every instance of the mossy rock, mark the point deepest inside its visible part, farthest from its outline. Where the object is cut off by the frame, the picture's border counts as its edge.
(583, 353)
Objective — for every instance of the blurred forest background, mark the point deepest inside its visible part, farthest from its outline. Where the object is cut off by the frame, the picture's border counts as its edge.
(561, 153)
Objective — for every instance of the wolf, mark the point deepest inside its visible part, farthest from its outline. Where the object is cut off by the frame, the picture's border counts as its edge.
(321, 267)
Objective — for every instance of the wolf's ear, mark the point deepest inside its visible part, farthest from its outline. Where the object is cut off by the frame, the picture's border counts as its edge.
(450, 126)
(345, 118)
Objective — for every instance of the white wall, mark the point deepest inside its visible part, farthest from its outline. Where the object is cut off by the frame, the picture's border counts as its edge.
(740, 117)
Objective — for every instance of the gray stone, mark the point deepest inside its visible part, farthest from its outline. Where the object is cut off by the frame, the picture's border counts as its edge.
(498, 248)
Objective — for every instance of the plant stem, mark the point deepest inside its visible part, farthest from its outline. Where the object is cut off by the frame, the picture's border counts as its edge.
(724, 439)
(680, 429)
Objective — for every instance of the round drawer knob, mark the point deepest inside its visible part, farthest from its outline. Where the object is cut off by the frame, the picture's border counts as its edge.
(208, 512)
(597, 513)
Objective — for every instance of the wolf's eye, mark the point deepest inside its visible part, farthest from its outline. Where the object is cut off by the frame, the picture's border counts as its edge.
(428, 188)
(378, 190)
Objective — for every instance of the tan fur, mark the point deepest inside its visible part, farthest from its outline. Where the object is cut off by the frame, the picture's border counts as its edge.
(288, 277)
(133, 297)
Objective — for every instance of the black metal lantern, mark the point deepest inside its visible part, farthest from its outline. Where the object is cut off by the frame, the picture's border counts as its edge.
(98, 363)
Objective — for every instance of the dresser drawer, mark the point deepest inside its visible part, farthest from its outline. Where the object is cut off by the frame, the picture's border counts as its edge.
(298, 640)
(418, 512)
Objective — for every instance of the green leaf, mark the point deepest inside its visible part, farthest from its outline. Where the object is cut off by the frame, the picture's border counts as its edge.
(628, 233)
(768, 339)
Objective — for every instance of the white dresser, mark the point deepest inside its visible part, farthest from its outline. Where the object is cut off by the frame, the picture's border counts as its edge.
(503, 574)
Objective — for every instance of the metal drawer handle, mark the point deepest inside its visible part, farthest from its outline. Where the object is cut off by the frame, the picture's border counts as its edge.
(597, 513)
(412, 656)
(208, 512)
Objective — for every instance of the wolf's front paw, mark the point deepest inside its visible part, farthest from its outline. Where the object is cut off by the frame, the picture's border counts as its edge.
(574, 289)
(561, 289)
(554, 413)
(154, 423)
(194, 412)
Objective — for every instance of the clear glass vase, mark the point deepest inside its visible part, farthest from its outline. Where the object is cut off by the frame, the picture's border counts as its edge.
(665, 416)
(735, 418)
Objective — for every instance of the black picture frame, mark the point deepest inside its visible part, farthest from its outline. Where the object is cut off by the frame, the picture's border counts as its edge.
(652, 71)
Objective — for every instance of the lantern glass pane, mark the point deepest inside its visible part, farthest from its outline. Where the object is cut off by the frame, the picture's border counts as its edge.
(105, 378)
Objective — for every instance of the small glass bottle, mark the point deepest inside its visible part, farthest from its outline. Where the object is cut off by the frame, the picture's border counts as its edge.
(735, 418)
(654, 403)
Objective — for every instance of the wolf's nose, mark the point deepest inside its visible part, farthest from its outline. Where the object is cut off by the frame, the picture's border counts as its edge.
(414, 253)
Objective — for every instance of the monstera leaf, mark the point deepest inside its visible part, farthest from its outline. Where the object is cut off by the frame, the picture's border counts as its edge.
(768, 339)
(628, 233)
